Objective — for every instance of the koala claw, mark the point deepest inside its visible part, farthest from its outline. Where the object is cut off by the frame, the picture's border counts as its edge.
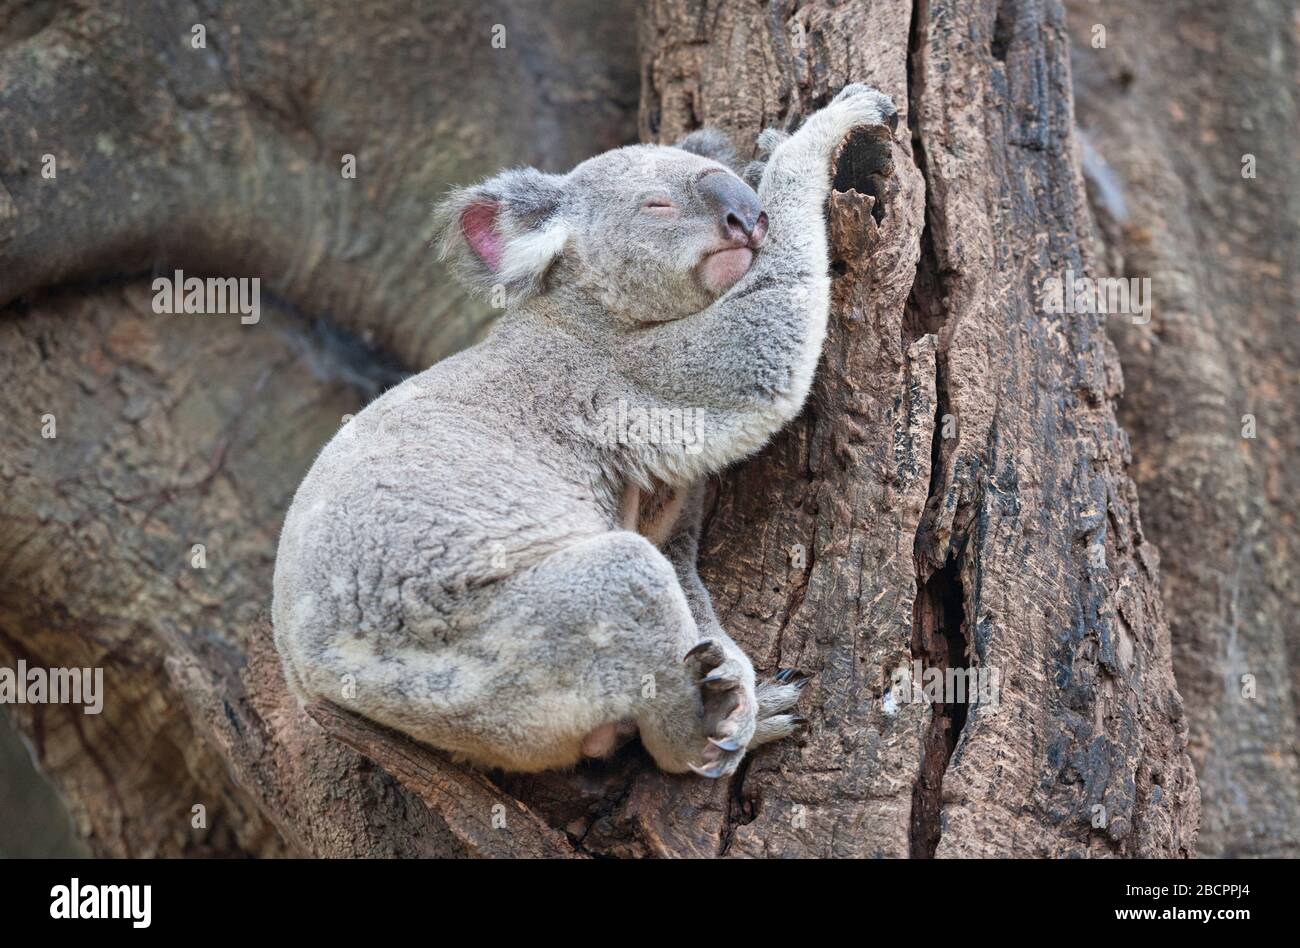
(713, 771)
(720, 675)
(719, 680)
(729, 708)
(720, 758)
(791, 676)
(707, 651)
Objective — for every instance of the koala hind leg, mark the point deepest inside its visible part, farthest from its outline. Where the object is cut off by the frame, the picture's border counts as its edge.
(593, 637)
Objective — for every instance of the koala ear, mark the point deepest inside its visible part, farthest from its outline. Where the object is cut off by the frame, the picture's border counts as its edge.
(711, 143)
(506, 231)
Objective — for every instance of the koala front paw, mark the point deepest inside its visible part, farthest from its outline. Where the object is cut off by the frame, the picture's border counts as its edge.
(864, 105)
(730, 706)
(802, 157)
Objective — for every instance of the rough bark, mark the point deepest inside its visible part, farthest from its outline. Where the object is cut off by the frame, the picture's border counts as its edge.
(860, 540)
(1180, 94)
(177, 430)
(954, 550)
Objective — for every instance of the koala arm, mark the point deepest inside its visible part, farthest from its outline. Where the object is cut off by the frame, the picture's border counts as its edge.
(752, 353)
(774, 697)
(682, 550)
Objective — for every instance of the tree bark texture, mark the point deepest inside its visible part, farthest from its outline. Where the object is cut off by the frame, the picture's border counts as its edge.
(980, 548)
(956, 493)
(174, 431)
(1183, 99)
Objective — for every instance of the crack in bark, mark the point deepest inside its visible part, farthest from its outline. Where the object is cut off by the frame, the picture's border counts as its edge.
(938, 643)
(735, 815)
(938, 640)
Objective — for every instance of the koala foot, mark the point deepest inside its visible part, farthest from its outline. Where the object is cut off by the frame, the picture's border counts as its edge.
(776, 696)
(730, 708)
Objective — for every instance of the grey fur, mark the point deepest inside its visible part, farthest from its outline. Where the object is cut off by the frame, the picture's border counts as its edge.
(457, 565)
(711, 143)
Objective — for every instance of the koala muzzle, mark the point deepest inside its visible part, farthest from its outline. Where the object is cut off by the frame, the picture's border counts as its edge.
(738, 211)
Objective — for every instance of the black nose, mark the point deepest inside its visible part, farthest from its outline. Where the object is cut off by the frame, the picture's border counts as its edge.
(739, 214)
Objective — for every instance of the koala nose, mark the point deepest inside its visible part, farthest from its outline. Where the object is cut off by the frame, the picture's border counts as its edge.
(739, 214)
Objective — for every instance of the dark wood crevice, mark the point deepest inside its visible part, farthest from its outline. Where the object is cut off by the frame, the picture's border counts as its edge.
(938, 642)
(938, 618)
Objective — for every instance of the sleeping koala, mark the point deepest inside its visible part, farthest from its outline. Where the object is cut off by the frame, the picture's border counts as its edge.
(496, 557)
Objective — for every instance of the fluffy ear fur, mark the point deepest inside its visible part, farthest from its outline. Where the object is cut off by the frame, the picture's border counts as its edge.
(506, 231)
(711, 143)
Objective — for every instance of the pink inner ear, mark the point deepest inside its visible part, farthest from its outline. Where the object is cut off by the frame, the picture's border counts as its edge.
(478, 224)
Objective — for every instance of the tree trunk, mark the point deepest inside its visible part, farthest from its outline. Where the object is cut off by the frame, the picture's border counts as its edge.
(957, 489)
(956, 493)
(1193, 180)
(173, 431)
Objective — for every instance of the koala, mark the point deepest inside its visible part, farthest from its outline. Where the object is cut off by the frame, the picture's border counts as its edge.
(497, 556)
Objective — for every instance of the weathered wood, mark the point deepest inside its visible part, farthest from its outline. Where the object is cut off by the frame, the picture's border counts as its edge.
(485, 820)
(1191, 117)
(183, 430)
(972, 548)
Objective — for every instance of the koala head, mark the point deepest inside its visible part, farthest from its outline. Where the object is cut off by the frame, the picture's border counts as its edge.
(642, 234)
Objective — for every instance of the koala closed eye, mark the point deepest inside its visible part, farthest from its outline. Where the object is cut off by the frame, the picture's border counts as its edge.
(659, 207)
